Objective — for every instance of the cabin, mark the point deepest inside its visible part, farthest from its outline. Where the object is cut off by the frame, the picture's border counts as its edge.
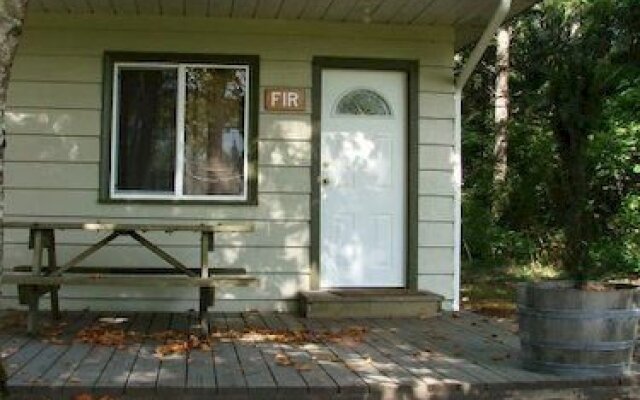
(332, 127)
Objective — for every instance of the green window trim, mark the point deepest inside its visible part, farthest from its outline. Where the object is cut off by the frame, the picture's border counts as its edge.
(111, 59)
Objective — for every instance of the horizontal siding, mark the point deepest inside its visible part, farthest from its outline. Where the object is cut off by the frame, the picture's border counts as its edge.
(58, 122)
(54, 130)
(437, 105)
(389, 33)
(284, 153)
(286, 73)
(86, 96)
(35, 68)
(50, 148)
(436, 208)
(84, 204)
(436, 79)
(436, 158)
(285, 126)
(435, 234)
(435, 260)
(438, 183)
(86, 149)
(270, 47)
(75, 122)
(35, 175)
(441, 284)
(437, 131)
(88, 69)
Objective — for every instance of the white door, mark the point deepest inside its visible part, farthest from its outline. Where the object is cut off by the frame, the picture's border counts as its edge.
(363, 178)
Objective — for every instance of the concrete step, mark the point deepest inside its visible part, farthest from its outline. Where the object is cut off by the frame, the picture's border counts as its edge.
(370, 303)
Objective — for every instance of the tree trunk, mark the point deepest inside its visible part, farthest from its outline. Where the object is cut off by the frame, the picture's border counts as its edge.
(501, 117)
(572, 151)
(12, 13)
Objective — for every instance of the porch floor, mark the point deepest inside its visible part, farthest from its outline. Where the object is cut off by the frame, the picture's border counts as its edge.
(260, 356)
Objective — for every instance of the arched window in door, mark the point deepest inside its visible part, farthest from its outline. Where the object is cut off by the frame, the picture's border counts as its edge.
(362, 102)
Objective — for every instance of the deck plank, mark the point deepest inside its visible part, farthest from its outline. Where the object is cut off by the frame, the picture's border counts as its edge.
(409, 357)
(144, 373)
(379, 385)
(417, 333)
(172, 374)
(348, 382)
(448, 367)
(484, 327)
(88, 372)
(286, 376)
(491, 355)
(116, 373)
(56, 375)
(442, 357)
(230, 378)
(217, 322)
(24, 364)
(201, 379)
(489, 349)
(260, 382)
(398, 381)
(487, 346)
(319, 383)
(10, 349)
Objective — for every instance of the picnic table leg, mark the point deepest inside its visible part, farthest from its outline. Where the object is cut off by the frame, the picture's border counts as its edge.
(32, 317)
(53, 265)
(206, 296)
(34, 296)
(206, 293)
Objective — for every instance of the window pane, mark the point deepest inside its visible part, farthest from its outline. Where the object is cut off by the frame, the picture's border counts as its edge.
(214, 131)
(146, 130)
(363, 102)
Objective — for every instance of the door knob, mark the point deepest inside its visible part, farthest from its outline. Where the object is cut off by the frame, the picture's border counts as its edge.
(325, 181)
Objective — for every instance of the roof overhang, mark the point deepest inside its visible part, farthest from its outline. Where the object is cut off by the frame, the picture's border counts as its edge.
(468, 17)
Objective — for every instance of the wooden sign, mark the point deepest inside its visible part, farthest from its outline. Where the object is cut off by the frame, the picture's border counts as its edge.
(284, 99)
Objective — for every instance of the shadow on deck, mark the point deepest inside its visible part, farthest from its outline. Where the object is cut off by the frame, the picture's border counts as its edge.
(92, 355)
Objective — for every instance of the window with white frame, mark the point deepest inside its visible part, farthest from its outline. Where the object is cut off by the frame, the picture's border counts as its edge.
(180, 131)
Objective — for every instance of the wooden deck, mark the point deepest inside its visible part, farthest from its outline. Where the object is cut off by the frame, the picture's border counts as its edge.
(279, 356)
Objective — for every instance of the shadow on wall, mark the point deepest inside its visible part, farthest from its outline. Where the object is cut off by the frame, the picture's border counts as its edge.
(276, 252)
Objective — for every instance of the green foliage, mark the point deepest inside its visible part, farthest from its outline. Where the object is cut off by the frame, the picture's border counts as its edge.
(573, 184)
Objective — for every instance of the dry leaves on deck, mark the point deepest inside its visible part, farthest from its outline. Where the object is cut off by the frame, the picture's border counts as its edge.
(105, 335)
(255, 335)
(283, 360)
(87, 396)
(177, 342)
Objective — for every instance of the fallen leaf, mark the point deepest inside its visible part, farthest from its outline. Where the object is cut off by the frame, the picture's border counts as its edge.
(304, 367)
(83, 396)
(283, 360)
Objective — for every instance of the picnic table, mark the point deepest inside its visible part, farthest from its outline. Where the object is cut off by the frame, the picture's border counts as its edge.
(36, 279)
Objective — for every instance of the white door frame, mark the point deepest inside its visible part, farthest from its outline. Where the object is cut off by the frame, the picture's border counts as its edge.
(411, 68)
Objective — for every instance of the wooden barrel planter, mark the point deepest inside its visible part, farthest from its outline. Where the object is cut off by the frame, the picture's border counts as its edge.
(564, 330)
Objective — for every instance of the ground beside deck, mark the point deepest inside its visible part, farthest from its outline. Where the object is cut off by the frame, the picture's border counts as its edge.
(269, 356)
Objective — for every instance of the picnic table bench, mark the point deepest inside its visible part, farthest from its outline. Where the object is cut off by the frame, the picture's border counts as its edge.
(36, 279)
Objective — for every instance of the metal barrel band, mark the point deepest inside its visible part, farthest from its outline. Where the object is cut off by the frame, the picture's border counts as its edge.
(588, 346)
(579, 367)
(569, 314)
